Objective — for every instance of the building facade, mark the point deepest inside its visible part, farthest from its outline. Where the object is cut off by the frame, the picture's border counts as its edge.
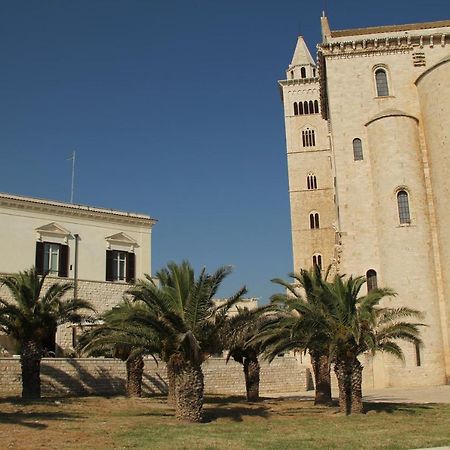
(100, 250)
(368, 148)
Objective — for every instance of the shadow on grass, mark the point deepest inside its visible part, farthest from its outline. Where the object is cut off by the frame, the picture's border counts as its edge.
(234, 408)
(32, 419)
(390, 408)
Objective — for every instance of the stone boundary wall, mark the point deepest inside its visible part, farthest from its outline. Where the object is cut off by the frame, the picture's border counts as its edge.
(106, 376)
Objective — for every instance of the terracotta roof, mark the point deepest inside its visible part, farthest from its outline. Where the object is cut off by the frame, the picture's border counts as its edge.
(75, 207)
(390, 28)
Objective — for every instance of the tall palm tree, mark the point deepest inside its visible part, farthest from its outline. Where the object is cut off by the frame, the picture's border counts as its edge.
(32, 315)
(302, 325)
(237, 334)
(118, 337)
(359, 324)
(182, 313)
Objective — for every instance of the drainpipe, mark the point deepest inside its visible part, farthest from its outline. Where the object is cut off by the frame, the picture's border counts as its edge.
(75, 270)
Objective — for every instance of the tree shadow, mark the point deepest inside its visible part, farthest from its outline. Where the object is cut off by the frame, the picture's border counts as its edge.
(217, 407)
(58, 381)
(390, 407)
(154, 384)
(31, 419)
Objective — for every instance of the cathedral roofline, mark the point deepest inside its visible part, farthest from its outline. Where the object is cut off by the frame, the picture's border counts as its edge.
(389, 28)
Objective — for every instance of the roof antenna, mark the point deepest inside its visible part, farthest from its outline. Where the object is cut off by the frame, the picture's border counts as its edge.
(73, 176)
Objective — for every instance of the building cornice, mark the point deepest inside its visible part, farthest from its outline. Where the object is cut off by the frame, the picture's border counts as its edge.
(389, 44)
(70, 210)
(298, 81)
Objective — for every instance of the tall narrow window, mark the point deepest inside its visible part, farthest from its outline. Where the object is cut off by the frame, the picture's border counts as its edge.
(311, 181)
(311, 107)
(306, 107)
(403, 207)
(371, 277)
(295, 109)
(314, 72)
(314, 221)
(292, 74)
(300, 108)
(308, 138)
(316, 106)
(303, 72)
(382, 83)
(317, 261)
(357, 150)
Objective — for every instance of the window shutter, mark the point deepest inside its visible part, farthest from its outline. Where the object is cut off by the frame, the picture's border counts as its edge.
(131, 263)
(109, 265)
(63, 269)
(39, 263)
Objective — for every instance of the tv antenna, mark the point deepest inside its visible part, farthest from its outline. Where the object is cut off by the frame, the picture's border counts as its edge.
(73, 176)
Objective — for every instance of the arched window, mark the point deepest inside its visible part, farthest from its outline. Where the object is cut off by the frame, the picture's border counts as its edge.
(357, 150)
(308, 138)
(311, 107)
(314, 72)
(316, 106)
(303, 72)
(300, 108)
(314, 221)
(317, 260)
(382, 83)
(371, 277)
(292, 74)
(403, 207)
(306, 107)
(311, 181)
(295, 109)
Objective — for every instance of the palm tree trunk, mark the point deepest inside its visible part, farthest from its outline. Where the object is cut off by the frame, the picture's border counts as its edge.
(135, 369)
(189, 392)
(251, 372)
(322, 379)
(30, 361)
(171, 378)
(344, 377)
(356, 380)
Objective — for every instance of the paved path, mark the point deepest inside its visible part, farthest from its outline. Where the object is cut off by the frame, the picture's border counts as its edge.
(432, 394)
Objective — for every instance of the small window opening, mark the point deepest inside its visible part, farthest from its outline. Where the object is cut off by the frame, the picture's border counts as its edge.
(303, 72)
(371, 277)
(317, 261)
(300, 108)
(306, 107)
(382, 83)
(316, 106)
(295, 109)
(403, 207)
(314, 221)
(357, 150)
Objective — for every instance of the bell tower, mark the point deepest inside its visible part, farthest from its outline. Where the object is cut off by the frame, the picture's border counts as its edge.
(311, 188)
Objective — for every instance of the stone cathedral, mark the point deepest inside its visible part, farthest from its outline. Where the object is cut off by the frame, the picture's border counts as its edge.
(368, 148)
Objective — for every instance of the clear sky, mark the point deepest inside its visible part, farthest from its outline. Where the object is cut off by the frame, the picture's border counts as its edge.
(173, 109)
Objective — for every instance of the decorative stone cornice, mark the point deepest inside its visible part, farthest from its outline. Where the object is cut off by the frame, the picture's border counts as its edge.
(298, 81)
(67, 209)
(382, 45)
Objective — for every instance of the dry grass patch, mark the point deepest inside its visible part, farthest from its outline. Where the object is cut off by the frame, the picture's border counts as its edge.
(118, 422)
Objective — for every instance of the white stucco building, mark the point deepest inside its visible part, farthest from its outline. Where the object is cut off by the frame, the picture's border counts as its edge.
(100, 250)
(367, 133)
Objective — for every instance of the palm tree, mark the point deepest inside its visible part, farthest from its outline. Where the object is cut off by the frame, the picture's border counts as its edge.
(302, 326)
(237, 333)
(31, 316)
(120, 338)
(182, 313)
(359, 324)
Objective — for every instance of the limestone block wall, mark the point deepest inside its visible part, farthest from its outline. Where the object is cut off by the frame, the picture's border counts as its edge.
(103, 376)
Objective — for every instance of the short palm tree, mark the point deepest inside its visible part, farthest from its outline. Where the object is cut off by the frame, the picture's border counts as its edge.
(302, 325)
(181, 311)
(237, 334)
(31, 315)
(359, 324)
(118, 337)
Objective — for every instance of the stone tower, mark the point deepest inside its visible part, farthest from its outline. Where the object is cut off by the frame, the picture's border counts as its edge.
(368, 174)
(309, 163)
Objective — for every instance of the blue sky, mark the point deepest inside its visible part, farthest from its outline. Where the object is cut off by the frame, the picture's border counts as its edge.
(173, 110)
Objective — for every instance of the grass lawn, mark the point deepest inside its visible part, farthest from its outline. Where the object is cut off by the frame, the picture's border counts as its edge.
(117, 422)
